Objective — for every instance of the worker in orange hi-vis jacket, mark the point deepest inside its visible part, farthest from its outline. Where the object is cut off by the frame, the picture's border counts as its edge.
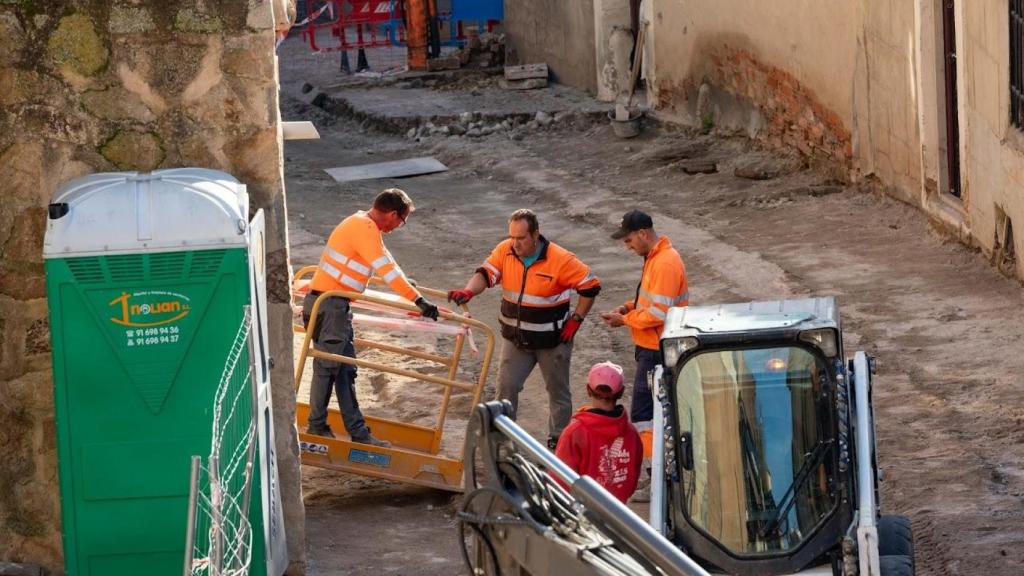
(355, 251)
(662, 285)
(538, 324)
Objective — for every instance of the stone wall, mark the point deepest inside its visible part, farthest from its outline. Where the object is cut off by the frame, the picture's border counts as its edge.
(559, 32)
(108, 85)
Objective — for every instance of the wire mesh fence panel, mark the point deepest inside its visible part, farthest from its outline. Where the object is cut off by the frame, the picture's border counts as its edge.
(219, 537)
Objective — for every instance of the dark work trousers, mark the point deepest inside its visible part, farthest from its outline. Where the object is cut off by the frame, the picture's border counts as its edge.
(515, 365)
(642, 408)
(333, 334)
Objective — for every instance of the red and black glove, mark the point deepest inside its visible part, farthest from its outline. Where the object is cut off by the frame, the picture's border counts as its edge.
(571, 326)
(460, 296)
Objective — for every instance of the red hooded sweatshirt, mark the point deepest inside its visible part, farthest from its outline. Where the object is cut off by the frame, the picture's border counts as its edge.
(605, 447)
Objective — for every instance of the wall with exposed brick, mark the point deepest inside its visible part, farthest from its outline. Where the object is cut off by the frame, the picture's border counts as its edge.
(860, 85)
(558, 32)
(781, 71)
(109, 85)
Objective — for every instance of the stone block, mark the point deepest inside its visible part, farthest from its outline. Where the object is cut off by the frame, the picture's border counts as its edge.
(129, 150)
(261, 14)
(116, 103)
(76, 45)
(22, 569)
(526, 71)
(529, 84)
(696, 166)
(25, 242)
(129, 20)
(243, 59)
(18, 86)
(189, 20)
(37, 338)
(22, 282)
(11, 38)
(445, 63)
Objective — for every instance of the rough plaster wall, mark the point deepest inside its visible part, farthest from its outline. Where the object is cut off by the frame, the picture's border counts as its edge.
(559, 32)
(894, 138)
(994, 161)
(100, 85)
(613, 42)
(791, 63)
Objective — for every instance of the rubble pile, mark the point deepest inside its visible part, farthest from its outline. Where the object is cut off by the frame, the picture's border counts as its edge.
(515, 127)
(486, 50)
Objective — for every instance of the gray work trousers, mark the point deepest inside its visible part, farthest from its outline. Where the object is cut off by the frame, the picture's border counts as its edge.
(333, 334)
(515, 366)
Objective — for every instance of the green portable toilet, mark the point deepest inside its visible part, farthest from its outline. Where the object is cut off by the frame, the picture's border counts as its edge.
(147, 278)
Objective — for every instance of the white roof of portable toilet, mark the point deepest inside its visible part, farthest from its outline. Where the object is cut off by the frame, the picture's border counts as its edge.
(161, 211)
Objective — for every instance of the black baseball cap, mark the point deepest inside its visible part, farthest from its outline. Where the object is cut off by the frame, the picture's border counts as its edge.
(631, 222)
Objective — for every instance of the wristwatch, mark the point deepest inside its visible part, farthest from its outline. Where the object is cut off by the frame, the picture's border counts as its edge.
(576, 317)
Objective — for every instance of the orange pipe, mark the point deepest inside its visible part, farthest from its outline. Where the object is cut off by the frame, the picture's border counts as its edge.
(416, 22)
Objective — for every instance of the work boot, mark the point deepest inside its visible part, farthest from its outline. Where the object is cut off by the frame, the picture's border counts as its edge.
(324, 431)
(372, 441)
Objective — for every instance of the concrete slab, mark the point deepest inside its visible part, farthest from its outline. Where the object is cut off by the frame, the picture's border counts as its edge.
(393, 169)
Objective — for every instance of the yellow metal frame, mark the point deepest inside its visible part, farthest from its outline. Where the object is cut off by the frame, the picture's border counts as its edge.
(413, 456)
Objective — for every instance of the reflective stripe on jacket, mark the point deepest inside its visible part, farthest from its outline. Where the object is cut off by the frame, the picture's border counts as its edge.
(662, 286)
(355, 251)
(535, 301)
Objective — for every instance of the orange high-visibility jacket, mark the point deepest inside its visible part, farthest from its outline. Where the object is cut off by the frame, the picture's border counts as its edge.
(354, 252)
(662, 286)
(535, 301)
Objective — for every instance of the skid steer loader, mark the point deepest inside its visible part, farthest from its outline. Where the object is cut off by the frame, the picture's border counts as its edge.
(763, 464)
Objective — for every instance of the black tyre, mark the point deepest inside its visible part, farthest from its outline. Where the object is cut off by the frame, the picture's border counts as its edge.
(896, 566)
(895, 537)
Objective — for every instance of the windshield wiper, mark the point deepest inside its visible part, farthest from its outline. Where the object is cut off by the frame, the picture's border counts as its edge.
(788, 499)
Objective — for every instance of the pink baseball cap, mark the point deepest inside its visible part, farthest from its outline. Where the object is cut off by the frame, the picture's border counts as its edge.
(605, 379)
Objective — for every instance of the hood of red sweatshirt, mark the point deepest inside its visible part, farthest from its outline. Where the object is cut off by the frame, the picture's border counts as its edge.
(600, 423)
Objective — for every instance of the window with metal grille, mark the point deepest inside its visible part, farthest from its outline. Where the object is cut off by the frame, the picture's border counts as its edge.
(1017, 63)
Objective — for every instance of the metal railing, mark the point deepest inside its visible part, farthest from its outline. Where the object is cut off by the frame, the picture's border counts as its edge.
(452, 361)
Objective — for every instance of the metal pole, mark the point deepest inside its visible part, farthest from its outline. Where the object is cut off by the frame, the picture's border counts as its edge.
(657, 512)
(216, 526)
(624, 523)
(453, 371)
(190, 528)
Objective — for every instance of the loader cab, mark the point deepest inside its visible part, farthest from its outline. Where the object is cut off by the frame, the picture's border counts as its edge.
(760, 482)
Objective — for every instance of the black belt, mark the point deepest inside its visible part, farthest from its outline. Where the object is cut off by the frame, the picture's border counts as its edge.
(317, 293)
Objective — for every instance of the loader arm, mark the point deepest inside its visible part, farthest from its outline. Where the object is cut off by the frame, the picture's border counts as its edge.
(519, 518)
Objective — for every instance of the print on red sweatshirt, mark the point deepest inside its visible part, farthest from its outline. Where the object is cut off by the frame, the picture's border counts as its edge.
(606, 447)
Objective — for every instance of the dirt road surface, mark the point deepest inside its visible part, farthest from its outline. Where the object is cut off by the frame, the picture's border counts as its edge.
(946, 329)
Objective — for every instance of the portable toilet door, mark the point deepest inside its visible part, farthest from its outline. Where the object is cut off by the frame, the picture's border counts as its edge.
(147, 278)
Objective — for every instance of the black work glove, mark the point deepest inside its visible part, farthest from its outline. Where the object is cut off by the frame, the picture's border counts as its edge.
(427, 308)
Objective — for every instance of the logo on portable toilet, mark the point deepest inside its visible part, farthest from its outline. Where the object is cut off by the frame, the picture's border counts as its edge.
(150, 308)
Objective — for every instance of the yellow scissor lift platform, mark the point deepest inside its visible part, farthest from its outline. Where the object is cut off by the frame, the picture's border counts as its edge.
(414, 456)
